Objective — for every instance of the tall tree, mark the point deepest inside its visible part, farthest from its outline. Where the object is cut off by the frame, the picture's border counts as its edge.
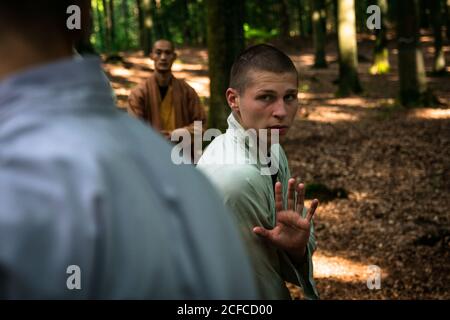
(100, 23)
(112, 24)
(318, 10)
(284, 24)
(413, 84)
(437, 22)
(348, 63)
(147, 25)
(108, 39)
(304, 16)
(225, 41)
(141, 23)
(125, 20)
(381, 53)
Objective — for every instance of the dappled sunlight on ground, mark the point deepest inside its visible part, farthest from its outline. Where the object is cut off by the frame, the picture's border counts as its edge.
(331, 114)
(428, 113)
(327, 265)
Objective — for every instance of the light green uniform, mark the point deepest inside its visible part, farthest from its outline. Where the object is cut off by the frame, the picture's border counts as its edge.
(249, 194)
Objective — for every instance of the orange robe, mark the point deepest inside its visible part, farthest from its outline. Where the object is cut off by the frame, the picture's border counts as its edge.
(145, 103)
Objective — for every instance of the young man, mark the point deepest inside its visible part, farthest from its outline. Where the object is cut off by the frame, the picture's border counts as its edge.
(163, 101)
(90, 204)
(275, 225)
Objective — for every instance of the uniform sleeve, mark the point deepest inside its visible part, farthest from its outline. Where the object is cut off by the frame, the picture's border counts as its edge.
(301, 275)
(41, 233)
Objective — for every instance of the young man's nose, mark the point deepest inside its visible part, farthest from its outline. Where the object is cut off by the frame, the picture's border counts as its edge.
(279, 110)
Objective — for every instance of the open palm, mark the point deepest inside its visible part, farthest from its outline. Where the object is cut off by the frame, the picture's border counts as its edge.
(291, 231)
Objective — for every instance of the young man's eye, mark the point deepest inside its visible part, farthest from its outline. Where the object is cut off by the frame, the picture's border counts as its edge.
(265, 97)
(290, 97)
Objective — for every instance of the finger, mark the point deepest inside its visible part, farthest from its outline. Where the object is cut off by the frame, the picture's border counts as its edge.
(278, 197)
(312, 210)
(260, 231)
(300, 198)
(291, 194)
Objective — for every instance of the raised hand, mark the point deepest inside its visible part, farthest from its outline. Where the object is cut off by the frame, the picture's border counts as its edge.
(291, 231)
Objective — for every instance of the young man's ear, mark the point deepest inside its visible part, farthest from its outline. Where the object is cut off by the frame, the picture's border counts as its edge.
(152, 55)
(232, 96)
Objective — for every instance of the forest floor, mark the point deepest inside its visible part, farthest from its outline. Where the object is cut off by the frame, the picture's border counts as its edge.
(382, 173)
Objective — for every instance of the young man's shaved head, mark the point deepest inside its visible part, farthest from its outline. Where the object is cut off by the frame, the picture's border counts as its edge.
(261, 57)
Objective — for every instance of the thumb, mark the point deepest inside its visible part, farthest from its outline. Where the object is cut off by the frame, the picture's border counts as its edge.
(261, 232)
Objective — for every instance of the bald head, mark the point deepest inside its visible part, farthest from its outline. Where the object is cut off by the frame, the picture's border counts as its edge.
(163, 43)
(163, 54)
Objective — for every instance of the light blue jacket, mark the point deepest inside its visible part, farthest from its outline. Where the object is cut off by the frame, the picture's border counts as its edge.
(81, 183)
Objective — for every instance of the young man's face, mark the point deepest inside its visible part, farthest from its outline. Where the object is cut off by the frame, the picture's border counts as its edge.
(163, 55)
(269, 101)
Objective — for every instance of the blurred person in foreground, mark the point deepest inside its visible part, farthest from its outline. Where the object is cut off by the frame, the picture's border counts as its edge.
(83, 184)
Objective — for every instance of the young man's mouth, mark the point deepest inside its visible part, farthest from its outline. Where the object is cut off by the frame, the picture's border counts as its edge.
(282, 130)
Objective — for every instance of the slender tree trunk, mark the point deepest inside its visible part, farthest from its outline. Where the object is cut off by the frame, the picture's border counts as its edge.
(148, 25)
(304, 16)
(413, 86)
(225, 41)
(101, 31)
(284, 24)
(319, 32)
(108, 40)
(84, 45)
(381, 54)
(348, 63)
(187, 24)
(140, 23)
(126, 18)
(439, 57)
(447, 18)
(158, 32)
(112, 25)
(300, 19)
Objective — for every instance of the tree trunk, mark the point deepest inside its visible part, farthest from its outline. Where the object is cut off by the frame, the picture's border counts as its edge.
(147, 26)
(108, 44)
(348, 63)
(413, 86)
(126, 19)
(381, 54)
(84, 45)
(225, 41)
(447, 17)
(284, 25)
(318, 11)
(439, 57)
(187, 23)
(140, 23)
(101, 31)
(112, 25)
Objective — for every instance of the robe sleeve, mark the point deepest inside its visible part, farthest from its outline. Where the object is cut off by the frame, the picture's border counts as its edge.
(196, 110)
(136, 102)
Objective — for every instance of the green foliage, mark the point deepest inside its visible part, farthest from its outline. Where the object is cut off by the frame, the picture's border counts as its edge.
(258, 35)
